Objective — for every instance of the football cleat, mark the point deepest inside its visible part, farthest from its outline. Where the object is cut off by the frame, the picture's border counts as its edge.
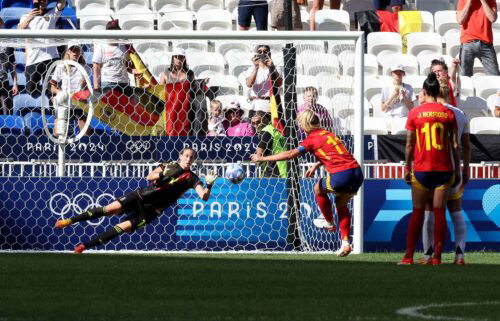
(79, 249)
(459, 261)
(406, 261)
(344, 250)
(426, 260)
(436, 261)
(63, 223)
(321, 223)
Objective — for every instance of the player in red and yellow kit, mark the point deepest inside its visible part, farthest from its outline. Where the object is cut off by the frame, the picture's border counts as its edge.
(432, 132)
(344, 174)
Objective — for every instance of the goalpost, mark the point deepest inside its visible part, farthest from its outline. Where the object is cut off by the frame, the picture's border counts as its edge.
(136, 125)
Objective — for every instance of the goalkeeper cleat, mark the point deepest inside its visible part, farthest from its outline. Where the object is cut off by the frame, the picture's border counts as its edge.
(63, 223)
(79, 249)
(406, 261)
(426, 260)
(459, 261)
(344, 250)
(436, 261)
(321, 223)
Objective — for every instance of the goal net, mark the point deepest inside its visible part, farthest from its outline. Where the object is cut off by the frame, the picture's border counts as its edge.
(87, 125)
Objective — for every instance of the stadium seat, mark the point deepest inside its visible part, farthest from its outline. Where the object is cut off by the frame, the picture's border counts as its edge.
(478, 69)
(338, 46)
(410, 63)
(375, 102)
(332, 20)
(432, 5)
(230, 5)
(384, 43)
(82, 5)
(373, 85)
(332, 85)
(491, 102)
(466, 86)
(157, 69)
(346, 59)
(424, 61)
(416, 82)
(485, 125)
(131, 5)
(144, 47)
(317, 64)
(427, 21)
(374, 126)
(197, 5)
(304, 18)
(231, 47)
(15, 4)
(228, 84)
(239, 62)
(11, 124)
(191, 45)
(421, 43)
(473, 106)
(175, 20)
(168, 6)
(486, 86)
(496, 41)
(343, 105)
(306, 81)
(206, 64)
(89, 21)
(214, 19)
(445, 21)
(397, 125)
(11, 16)
(24, 103)
(153, 53)
(316, 46)
(132, 20)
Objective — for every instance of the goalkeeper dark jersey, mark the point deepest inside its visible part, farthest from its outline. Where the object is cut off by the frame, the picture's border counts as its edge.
(163, 193)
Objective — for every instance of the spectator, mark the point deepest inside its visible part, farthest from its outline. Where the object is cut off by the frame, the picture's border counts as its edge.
(475, 18)
(237, 126)
(7, 63)
(68, 80)
(397, 97)
(271, 142)
(256, 8)
(396, 5)
(440, 68)
(38, 60)
(111, 62)
(278, 15)
(310, 102)
(497, 104)
(259, 78)
(216, 120)
(318, 5)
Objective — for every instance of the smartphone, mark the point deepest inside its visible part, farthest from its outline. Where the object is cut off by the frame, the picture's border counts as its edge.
(36, 5)
(262, 57)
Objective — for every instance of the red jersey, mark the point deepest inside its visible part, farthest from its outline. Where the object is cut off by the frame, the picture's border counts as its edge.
(329, 150)
(432, 123)
(476, 26)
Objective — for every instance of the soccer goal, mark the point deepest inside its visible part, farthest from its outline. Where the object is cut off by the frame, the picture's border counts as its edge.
(106, 107)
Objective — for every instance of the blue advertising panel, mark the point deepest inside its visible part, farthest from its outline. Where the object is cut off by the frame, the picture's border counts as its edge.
(388, 207)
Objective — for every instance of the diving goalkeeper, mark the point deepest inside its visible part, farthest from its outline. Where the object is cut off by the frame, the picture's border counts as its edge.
(168, 182)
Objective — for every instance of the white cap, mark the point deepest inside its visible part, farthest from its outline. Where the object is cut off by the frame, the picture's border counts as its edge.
(233, 104)
(74, 44)
(178, 52)
(398, 67)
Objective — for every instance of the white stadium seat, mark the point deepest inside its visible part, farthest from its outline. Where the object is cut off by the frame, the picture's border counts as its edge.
(332, 85)
(473, 107)
(191, 45)
(445, 21)
(452, 40)
(420, 43)
(410, 63)
(83, 5)
(239, 62)
(228, 84)
(316, 64)
(491, 102)
(306, 81)
(432, 5)
(478, 69)
(230, 5)
(485, 125)
(371, 65)
(197, 5)
(93, 22)
(383, 43)
(304, 18)
(397, 125)
(129, 20)
(486, 86)
(175, 20)
(343, 105)
(374, 126)
(338, 46)
(496, 41)
(168, 5)
(416, 82)
(332, 20)
(144, 47)
(156, 70)
(312, 45)
(131, 5)
(206, 64)
(466, 86)
(424, 61)
(373, 86)
(427, 21)
(346, 59)
(232, 47)
(376, 101)
(214, 19)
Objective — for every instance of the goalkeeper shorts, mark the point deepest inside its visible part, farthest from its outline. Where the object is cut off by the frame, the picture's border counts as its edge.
(141, 213)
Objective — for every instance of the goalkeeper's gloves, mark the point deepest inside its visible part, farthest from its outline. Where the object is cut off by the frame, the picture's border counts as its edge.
(210, 179)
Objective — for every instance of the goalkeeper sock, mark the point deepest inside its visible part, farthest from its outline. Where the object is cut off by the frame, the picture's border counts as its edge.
(460, 231)
(414, 229)
(428, 233)
(439, 231)
(104, 237)
(93, 213)
(325, 206)
(344, 222)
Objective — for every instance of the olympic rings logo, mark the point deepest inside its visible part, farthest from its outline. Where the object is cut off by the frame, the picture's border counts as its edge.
(62, 205)
(138, 146)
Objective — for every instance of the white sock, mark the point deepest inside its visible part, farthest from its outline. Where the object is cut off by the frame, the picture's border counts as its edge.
(345, 242)
(428, 233)
(460, 231)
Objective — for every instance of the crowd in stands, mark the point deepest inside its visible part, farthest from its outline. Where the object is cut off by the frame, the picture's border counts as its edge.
(112, 68)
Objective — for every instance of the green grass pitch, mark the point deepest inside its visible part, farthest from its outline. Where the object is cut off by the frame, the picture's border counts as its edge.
(225, 287)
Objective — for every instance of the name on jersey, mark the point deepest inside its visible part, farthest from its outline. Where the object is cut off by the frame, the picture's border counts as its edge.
(432, 114)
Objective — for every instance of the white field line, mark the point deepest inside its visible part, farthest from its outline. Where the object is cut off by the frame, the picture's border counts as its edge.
(418, 311)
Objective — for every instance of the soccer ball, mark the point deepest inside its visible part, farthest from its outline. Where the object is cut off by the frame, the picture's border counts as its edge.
(235, 173)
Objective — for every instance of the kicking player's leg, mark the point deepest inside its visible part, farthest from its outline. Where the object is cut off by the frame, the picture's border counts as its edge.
(93, 213)
(344, 215)
(325, 206)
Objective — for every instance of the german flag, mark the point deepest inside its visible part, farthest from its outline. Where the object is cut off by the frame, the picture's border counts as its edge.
(403, 22)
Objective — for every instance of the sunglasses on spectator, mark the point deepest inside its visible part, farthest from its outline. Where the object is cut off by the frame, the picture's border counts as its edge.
(178, 57)
(262, 51)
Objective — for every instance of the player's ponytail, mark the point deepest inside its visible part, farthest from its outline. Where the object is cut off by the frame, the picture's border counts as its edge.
(444, 90)
(308, 121)
(431, 85)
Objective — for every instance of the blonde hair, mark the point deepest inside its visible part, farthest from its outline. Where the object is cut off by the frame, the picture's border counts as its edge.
(444, 90)
(215, 103)
(308, 121)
